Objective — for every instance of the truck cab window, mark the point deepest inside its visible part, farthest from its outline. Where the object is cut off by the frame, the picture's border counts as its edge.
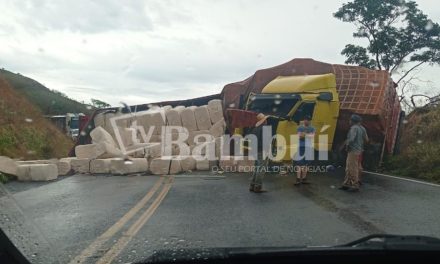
(305, 109)
(277, 105)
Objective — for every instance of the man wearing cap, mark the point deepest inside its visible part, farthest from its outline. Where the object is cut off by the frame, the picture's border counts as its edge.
(306, 132)
(260, 163)
(356, 138)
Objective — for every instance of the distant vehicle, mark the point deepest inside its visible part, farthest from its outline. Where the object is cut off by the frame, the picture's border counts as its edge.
(70, 123)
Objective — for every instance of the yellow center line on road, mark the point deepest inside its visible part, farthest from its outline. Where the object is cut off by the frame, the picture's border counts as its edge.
(134, 229)
(95, 245)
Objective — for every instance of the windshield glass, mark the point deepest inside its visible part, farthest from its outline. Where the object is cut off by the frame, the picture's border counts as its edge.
(132, 127)
(74, 123)
(279, 105)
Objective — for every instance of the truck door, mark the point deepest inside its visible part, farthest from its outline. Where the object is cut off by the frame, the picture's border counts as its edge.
(289, 127)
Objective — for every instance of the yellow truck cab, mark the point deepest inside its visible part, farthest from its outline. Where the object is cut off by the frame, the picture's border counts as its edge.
(292, 98)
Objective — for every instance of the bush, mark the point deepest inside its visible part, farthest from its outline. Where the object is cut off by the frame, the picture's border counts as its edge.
(420, 153)
(7, 138)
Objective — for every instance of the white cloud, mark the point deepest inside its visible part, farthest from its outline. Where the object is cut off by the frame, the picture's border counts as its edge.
(149, 51)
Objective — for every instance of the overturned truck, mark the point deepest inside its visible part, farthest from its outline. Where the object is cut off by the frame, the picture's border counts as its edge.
(329, 93)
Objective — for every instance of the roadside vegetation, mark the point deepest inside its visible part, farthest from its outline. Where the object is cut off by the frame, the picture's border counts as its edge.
(50, 102)
(420, 146)
(24, 132)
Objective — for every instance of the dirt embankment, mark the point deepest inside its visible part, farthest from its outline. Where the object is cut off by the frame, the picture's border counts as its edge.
(24, 132)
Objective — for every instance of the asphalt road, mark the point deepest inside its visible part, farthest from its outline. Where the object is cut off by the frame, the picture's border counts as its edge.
(120, 219)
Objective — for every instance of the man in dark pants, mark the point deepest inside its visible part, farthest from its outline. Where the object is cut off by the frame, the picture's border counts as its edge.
(260, 163)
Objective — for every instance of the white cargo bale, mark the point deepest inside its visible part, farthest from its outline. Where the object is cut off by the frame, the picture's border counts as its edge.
(27, 162)
(128, 137)
(188, 119)
(137, 151)
(107, 125)
(188, 163)
(173, 118)
(215, 110)
(88, 151)
(100, 166)
(175, 150)
(155, 138)
(204, 149)
(175, 166)
(166, 107)
(193, 135)
(142, 120)
(160, 166)
(203, 120)
(101, 150)
(174, 136)
(205, 164)
(154, 150)
(37, 172)
(122, 167)
(8, 165)
(100, 135)
(80, 165)
(151, 119)
(157, 120)
(64, 166)
(99, 120)
(179, 108)
(218, 128)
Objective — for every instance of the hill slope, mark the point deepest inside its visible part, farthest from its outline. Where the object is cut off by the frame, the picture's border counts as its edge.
(24, 132)
(420, 146)
(48, 101)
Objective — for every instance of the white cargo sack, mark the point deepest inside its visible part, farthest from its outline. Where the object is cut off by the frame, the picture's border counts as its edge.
(37, 172)
(203, 120)
(160, 166)
(173, 118)
(8, 165)
(215, 110)
(175, 166)
(95, 151)
(100, 166)
(188, 163)
(80, 165)
(64, 166)
(100, 135)
(122, 167)
(218, 128)
(188, 119)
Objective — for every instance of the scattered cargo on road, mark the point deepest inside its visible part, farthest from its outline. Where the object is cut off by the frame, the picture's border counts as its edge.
(112, 142)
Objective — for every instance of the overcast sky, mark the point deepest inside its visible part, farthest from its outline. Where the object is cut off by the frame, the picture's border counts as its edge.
(147, 51)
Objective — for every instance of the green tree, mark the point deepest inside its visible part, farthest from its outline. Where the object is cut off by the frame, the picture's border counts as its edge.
(99, 104)
(398, 34)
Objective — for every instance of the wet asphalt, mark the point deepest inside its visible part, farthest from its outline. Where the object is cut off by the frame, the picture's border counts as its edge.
(56, 222)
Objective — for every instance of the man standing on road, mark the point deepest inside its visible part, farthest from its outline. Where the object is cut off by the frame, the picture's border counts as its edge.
(356, 138)
(256, 185)
(306, 132)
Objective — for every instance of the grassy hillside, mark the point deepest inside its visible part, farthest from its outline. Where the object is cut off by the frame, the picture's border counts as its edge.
(48, 101)
(24, 132)
(420, 146)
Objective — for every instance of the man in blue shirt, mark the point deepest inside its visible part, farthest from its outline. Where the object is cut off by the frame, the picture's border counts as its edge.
(306, 133)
